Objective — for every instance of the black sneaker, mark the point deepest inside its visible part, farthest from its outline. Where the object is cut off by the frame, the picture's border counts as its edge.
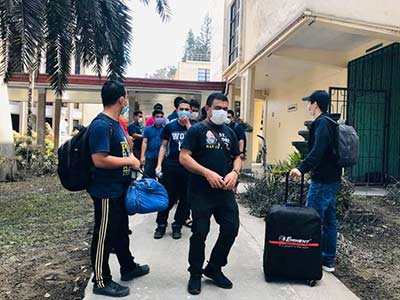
(111, 289)
(215, 273)
(160, 231)
(176, 232)
(137, 271)
(194, 284)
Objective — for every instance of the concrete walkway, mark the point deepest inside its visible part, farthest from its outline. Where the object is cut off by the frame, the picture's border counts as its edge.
(168, 263)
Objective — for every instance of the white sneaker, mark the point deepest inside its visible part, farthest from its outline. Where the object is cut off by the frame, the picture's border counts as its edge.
(328, 269)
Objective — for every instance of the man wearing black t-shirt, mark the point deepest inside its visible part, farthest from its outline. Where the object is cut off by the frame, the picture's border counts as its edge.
(174, 175)
(210, 152)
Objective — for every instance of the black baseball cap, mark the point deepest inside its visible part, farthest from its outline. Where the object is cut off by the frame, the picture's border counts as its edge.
(321, 97)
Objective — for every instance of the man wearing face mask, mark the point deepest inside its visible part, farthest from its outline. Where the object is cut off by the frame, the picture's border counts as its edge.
(194, 110)
(172, 138)
(210, 152)
(151, 144)
(135, 130)
(239, 130)
(112, 162)
(325, 173)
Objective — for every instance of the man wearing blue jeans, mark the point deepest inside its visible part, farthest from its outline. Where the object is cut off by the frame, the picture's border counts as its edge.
(322, 163)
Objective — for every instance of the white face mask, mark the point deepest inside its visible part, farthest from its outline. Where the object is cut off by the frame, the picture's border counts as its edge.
(218, 117)
(309, 110)
(227, 121)
(140, 120)
(194, 115)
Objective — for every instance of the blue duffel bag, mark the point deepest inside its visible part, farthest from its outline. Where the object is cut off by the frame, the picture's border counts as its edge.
(146, 196)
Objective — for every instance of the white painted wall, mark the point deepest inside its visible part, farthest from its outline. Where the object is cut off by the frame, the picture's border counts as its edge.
(263, 20)
(217, 39)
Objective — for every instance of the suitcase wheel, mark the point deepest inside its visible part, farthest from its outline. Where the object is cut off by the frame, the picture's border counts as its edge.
(312, 283)
(268, 278)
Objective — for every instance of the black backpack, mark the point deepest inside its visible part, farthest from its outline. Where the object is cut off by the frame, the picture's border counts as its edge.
(347, 144)
(74, 161)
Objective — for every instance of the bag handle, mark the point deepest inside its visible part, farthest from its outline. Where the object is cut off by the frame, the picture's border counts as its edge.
(301, 202)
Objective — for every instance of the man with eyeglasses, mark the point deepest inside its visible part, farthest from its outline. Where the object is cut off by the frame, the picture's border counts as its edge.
(173, 174)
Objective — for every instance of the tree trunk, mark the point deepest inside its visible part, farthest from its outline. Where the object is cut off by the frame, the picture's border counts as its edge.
(57, 118)
(32, 76)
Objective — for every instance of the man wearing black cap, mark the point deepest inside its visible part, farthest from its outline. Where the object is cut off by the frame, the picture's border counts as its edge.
(322, 163)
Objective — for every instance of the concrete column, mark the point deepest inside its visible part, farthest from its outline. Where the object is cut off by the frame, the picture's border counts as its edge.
(70, 117)
(23, 117)
(133, 105)
(7, 165)
(41, 117)
(247, 111)
(56, 121)
(231, 96)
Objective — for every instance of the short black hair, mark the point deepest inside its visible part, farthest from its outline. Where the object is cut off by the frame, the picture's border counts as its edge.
(157, 111)
(177, 101)
(214, 96)
(158, 106)
(111, 91)
(194, 103)
(231, 112)
(137, 112)
(183, 101)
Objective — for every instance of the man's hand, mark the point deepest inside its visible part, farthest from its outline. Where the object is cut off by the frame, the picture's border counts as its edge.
(186, 121)
(295, 173)
(230, 180)
(159, 172)
(133, 162)
(142, 161)
(215, 180)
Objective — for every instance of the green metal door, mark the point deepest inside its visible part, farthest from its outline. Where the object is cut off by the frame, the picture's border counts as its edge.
(374, 109)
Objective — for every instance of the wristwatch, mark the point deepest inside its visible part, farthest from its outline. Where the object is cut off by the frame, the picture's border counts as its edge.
(236, 171)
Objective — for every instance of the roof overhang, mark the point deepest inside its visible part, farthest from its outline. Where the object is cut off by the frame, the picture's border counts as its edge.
(142, 85)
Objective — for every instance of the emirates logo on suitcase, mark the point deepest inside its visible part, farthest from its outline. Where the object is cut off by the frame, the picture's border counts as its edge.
(288, 241)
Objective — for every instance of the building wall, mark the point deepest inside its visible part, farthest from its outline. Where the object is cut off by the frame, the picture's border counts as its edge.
(217, 40)
(189, 70)
(263, 20)
(283, 126)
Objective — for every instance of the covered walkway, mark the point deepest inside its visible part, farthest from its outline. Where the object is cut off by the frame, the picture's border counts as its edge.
(85, 89)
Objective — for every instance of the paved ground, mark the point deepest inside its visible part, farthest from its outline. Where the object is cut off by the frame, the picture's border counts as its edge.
(168, 262)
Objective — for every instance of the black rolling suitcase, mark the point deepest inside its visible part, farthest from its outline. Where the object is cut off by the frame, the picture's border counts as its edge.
(292, 241)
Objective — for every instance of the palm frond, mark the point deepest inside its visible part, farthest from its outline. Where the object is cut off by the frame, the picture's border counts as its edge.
(21, 32)
(162, 8)
(59, 42)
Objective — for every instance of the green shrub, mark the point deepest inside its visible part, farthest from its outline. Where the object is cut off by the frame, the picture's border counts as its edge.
(34, 159)
(270, 190)
(283, 167)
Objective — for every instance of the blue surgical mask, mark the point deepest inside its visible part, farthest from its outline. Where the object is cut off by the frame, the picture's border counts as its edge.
(183, 113)
(159, 121)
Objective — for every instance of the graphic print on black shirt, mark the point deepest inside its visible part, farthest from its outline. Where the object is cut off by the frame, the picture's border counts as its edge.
(174, 133)
(207, 151)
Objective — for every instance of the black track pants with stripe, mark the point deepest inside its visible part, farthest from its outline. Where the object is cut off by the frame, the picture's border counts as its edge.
(110, 231)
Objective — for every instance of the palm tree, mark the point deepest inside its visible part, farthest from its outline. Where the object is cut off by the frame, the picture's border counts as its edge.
(54, 30)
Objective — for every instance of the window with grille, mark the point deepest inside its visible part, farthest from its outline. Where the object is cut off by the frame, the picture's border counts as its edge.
(203, 75)
(234, 30)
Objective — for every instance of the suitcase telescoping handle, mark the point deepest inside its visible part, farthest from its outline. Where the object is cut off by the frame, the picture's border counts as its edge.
(287, 191)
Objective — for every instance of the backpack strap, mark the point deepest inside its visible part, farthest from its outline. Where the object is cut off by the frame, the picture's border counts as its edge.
(332, 120)
(100, 117)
